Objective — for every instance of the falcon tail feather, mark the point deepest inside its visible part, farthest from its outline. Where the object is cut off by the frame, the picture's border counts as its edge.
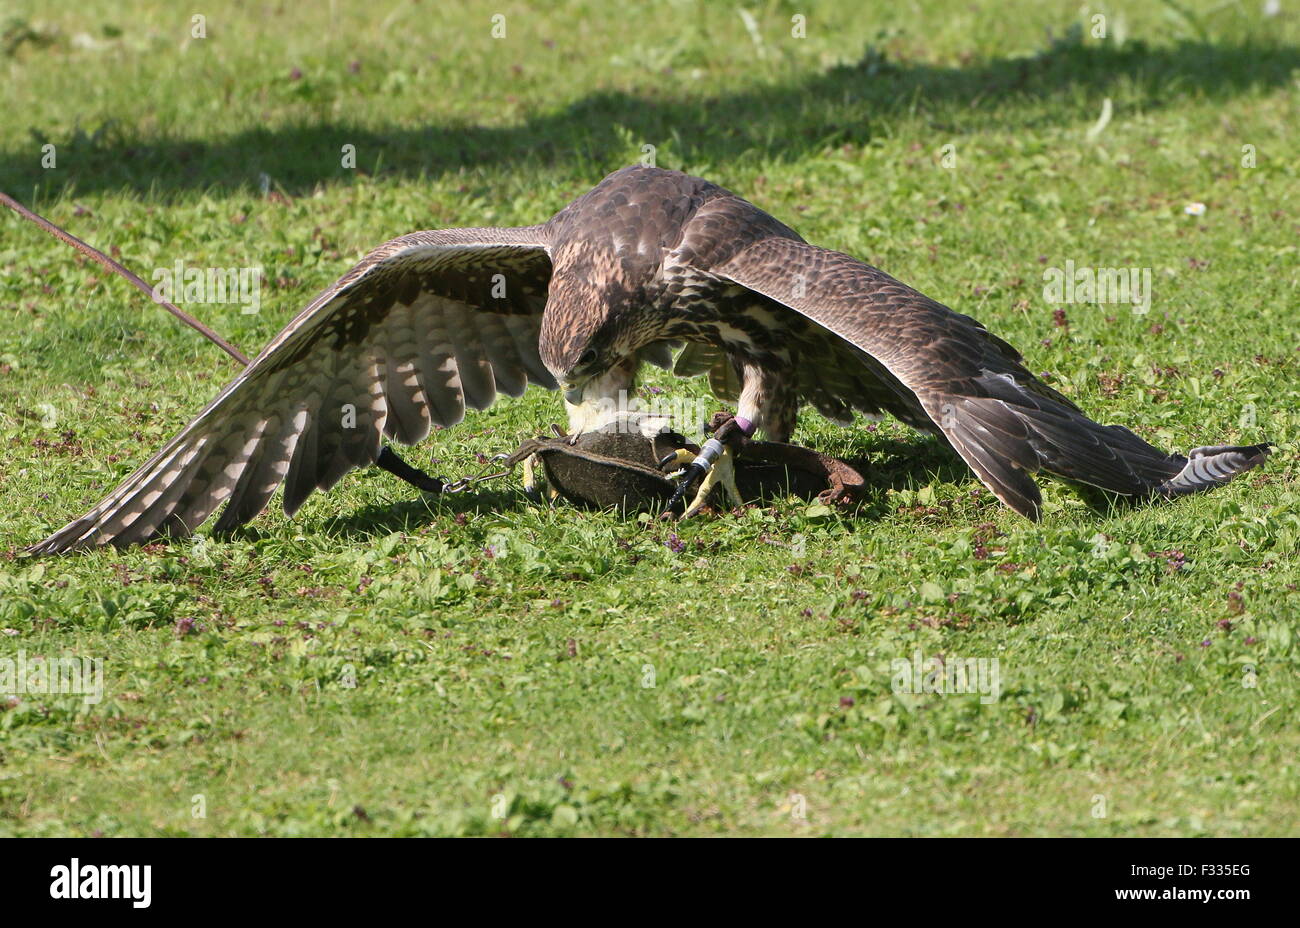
(1005, 443)
(1213, 465)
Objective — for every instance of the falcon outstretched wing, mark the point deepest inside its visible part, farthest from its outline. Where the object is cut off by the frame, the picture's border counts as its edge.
(945, 372)
(422, 327)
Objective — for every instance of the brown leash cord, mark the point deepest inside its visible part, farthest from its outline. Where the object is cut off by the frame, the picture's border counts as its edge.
(388, 459)
(104, 260)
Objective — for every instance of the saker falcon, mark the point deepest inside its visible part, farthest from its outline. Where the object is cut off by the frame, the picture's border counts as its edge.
(649, 259)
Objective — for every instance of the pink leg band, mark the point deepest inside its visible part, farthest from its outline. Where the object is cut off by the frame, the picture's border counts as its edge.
(745, 426)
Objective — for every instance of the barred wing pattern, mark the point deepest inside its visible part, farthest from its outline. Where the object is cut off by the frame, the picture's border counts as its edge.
(422, 327)
(947, 373)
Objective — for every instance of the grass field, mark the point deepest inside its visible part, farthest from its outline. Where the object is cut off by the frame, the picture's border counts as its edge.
(390, 665)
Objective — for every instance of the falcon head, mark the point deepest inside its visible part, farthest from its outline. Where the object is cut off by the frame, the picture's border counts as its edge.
(591, 348)
(584, 343)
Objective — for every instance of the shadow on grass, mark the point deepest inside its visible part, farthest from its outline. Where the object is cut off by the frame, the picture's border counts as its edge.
(847, 104)
(422, 511)
(888, 464)
(893, 465)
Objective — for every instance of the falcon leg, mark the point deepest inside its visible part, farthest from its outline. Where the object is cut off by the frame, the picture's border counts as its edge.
(715, 463)
(675, 460)
(389, 461)
(722, 473)
(532, 479)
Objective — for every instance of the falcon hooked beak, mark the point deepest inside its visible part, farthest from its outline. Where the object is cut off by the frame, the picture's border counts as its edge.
(592, 400)
(584, 415)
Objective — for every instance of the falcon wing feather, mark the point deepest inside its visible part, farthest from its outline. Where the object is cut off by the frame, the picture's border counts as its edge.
(422, 327)
(945, 372)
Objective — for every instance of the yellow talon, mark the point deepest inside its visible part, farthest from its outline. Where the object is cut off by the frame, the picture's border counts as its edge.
(677, 460)
(533, 476)
(722, 473)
